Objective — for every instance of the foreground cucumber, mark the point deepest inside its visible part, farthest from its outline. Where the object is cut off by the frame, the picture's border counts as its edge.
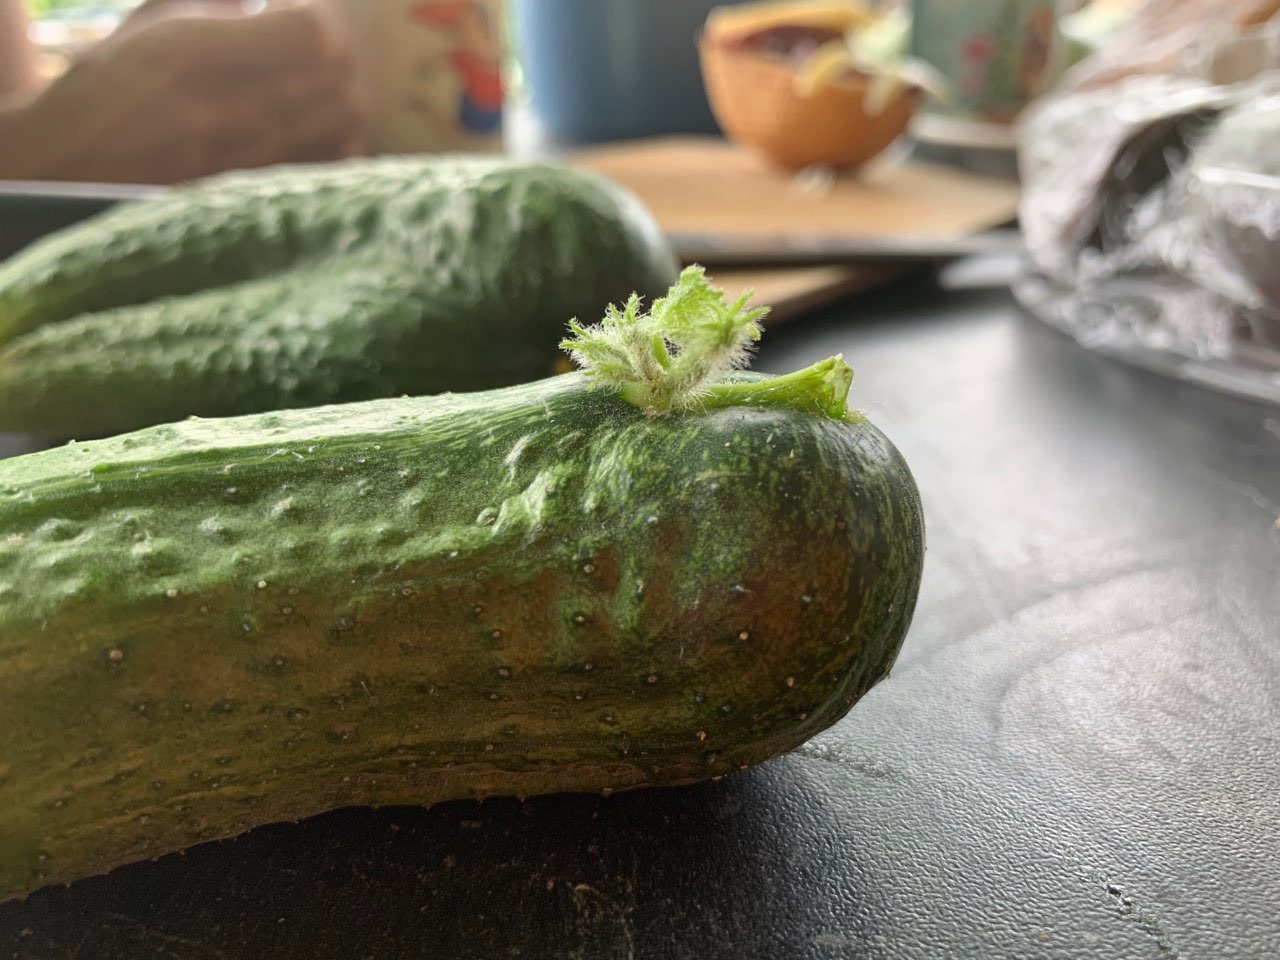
(213, 625)
(306, 286)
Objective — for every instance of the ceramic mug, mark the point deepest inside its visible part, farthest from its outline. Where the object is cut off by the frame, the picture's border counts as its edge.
(614, 69)
(996, 55)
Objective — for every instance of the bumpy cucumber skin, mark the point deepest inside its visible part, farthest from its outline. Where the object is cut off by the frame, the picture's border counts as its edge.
(213, 625)
(301, 287)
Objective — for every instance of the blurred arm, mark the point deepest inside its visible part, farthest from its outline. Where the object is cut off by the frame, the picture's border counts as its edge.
(17, 73)
(194, 88)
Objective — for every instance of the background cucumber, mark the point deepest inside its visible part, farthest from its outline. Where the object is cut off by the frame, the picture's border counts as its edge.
(303, 286)
(217, 624)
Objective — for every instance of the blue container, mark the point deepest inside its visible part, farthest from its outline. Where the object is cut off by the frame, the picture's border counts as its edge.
(614, 69)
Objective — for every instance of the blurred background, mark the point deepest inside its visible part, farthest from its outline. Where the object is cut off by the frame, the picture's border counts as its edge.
(623, 68)
(808, 148)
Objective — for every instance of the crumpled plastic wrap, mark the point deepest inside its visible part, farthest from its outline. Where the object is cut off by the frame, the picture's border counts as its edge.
(1151, 214)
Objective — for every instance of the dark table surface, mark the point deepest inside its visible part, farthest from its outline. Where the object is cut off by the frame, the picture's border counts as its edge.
(1077, 755)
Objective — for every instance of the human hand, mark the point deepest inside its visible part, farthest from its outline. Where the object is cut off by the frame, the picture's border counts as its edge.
(194, 88)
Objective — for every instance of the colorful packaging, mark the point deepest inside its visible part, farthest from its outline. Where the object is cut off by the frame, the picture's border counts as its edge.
(432, 71)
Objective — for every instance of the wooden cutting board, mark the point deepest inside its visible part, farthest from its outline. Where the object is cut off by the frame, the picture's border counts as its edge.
(706, 185)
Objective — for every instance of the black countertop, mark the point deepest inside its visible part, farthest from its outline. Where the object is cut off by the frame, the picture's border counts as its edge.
(1077, 755)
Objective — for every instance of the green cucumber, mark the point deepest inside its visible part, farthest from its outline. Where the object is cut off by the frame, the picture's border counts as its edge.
(304, 286)
(213, 625)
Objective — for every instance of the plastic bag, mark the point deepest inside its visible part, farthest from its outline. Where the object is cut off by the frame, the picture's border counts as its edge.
(1151, 214)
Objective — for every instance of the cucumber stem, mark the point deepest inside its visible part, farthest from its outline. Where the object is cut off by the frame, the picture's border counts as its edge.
(670, 359)
(821, 389)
